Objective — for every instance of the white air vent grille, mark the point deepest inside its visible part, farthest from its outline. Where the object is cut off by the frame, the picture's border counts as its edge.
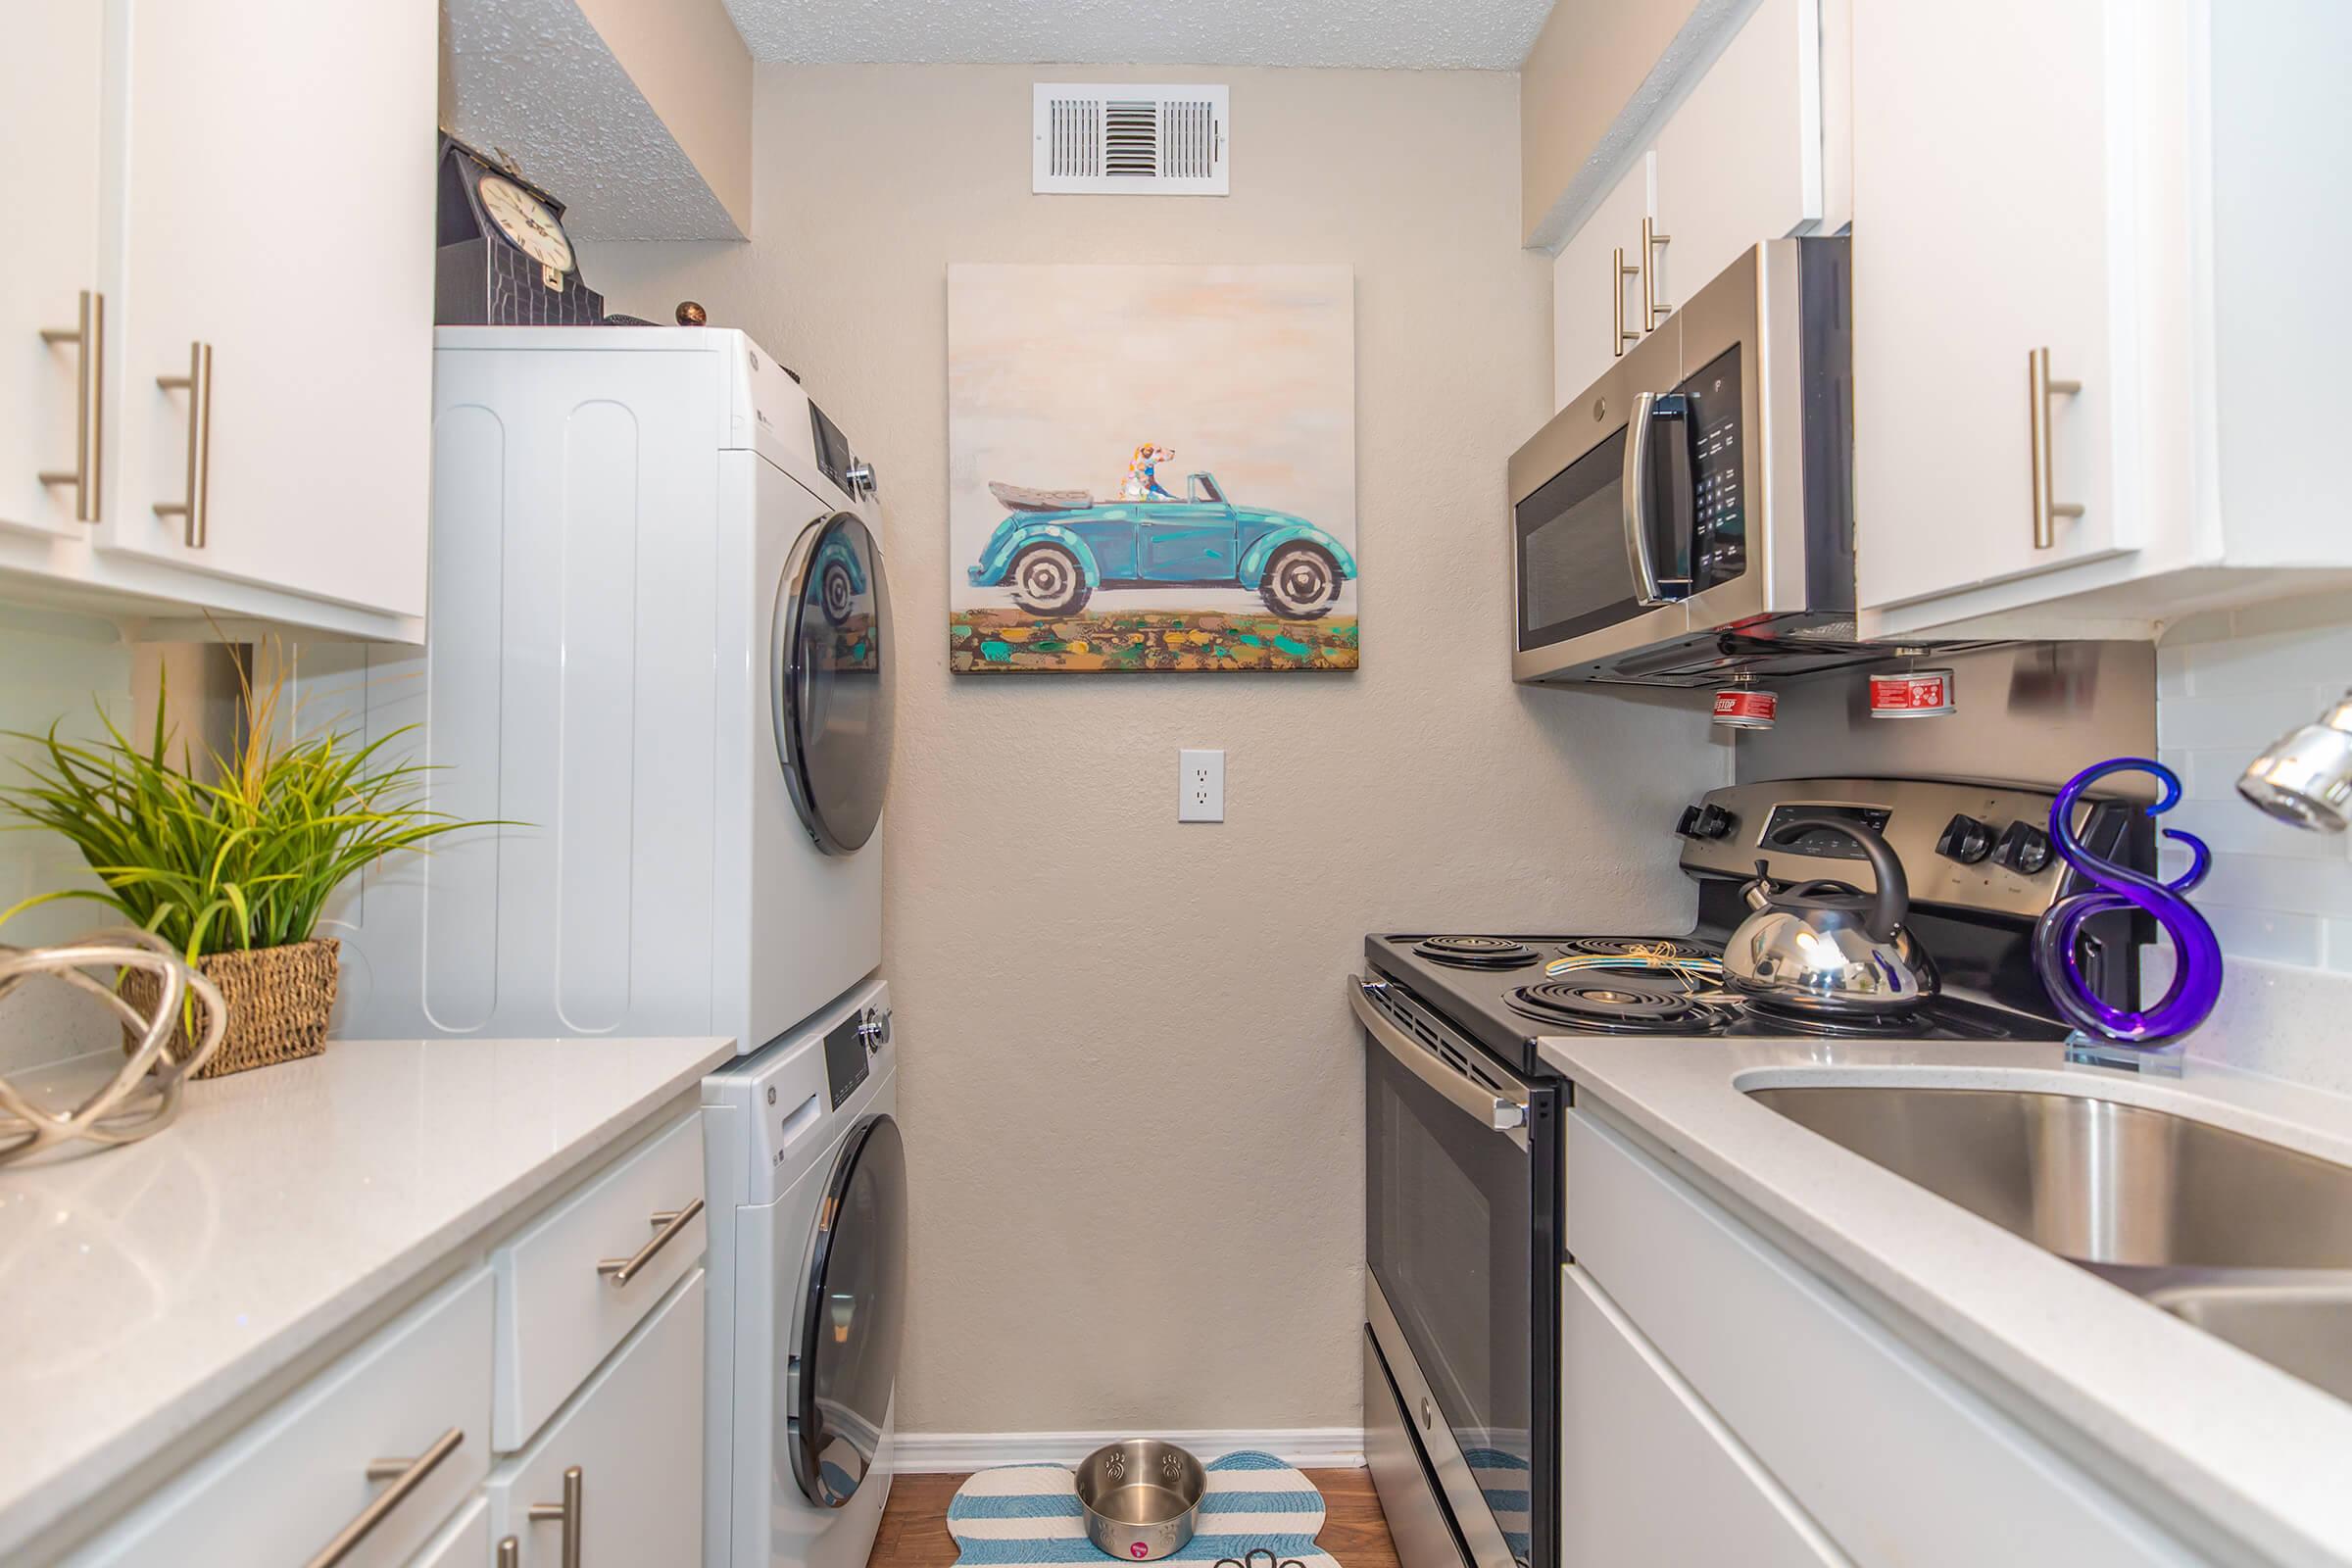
(1130, 139)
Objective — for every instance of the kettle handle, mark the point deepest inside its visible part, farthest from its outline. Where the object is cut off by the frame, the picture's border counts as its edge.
(1892, 901)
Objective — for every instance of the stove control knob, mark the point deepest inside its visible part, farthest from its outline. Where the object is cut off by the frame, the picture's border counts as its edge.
(1687, 826)
(2024, 849)
(1713, 822)
(1966, 840)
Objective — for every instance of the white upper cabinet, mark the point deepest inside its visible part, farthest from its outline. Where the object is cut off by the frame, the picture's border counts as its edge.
(1742, 160)
(1738, 160)
(278, 232)
(1983, 176)
(52, 101)
(1597, 287)
(240, 194)
(2139, 194)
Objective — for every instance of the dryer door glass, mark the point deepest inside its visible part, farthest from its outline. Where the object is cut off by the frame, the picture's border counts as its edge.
(829, 664)
(856, 1308)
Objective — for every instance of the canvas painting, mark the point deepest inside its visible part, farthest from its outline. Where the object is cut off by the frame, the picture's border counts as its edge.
(1151, 469)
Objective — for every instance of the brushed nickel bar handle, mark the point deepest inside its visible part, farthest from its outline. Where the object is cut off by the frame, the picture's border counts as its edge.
(88, 336)
(1654, 310)
(1618, 274)
(2040, 387)
(567, 1514)
(509, 1553)
(621, 1270)
(198, 384)
(406, 1476)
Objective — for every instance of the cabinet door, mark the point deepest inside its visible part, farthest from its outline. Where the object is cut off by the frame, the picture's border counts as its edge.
(1591, 300)
(464, 1543)
(1647, 1473)
(279, 208)
(635, 1433)
(51, 121)
(1740, 161)
(1983, 194)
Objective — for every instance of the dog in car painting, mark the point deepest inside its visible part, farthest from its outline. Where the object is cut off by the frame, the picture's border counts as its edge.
(1225, 541)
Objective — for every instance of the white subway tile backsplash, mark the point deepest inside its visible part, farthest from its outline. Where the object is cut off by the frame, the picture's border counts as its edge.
(2265, 934)
(2271, 661)
(2241, 719)
(2228, 684)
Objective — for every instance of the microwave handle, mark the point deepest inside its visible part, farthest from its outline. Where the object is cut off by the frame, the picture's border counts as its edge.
(1648, 406)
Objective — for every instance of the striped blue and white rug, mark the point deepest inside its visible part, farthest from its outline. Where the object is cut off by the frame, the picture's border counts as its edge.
(1027, 1516)
(1502, 1477)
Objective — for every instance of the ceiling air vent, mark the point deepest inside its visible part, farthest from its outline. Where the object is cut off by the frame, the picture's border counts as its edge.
(1128, 139)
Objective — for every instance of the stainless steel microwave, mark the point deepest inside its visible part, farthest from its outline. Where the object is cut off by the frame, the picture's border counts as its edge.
(1690, 516)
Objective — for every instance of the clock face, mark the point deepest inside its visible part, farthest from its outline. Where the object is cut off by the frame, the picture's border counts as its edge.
(526, 220)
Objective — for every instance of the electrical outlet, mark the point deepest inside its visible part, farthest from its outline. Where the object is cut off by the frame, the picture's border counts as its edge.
(1199, 786)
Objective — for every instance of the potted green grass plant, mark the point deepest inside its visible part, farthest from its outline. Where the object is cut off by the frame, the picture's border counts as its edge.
(231, 862)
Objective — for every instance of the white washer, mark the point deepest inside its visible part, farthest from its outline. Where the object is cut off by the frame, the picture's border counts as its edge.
(660, 639)
(808, 1196)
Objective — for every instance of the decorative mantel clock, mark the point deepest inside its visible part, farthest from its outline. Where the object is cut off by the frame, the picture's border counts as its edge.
(504, 259)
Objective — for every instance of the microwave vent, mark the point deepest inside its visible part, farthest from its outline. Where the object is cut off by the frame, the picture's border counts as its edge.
(1127, 139)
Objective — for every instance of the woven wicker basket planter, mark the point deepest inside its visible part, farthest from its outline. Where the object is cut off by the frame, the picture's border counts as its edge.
(279, 1001)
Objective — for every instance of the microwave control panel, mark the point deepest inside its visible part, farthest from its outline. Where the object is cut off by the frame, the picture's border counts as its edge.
(1718, 522)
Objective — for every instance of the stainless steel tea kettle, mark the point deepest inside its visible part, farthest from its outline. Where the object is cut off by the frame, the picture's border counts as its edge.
(1822, 947)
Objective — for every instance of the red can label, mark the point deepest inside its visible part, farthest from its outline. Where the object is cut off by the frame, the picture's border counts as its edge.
(1912, 694)
(1745, 708)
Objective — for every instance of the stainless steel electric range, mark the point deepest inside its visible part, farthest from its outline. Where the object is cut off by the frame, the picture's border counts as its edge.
(1463, 1240)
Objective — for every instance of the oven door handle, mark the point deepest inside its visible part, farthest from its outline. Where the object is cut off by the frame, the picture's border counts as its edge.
(1649, 590)
(1496, 1112)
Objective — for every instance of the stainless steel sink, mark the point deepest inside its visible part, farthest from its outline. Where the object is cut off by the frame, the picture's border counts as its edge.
(2246, 1240)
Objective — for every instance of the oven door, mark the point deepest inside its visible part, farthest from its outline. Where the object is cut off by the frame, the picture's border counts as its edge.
(1461, 1246)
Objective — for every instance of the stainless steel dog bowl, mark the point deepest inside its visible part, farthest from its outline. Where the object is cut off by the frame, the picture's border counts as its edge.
(1141, 1497)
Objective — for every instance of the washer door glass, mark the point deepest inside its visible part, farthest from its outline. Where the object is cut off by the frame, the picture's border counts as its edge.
(855, 1308)
(830, 673)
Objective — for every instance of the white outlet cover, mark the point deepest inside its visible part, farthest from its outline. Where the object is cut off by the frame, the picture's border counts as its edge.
(1199, 786)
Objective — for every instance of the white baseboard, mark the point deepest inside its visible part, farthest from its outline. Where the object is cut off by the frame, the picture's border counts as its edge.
(956, 1453)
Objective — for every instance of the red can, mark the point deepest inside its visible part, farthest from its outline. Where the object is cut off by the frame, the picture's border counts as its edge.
(1911, 694)
(1746, 708)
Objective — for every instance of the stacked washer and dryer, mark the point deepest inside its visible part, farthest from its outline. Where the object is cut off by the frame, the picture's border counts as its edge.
(659, 651)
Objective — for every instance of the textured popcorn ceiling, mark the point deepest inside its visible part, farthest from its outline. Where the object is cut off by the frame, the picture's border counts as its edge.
(533, 79)
(1482, 34)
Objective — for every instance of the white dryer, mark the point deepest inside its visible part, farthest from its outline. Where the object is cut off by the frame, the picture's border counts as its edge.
(659, 648)
(808, 1268)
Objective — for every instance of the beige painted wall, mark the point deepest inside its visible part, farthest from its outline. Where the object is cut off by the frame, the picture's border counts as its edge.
(689, 63)
(1132, 1091)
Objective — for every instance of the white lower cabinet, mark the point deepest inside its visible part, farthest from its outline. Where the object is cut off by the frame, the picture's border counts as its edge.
(385, 1457)
(616, 1477)
(558, 1309)
(1648, 1474)
(1895, 1461)
(464, 1543)
(284, 1489)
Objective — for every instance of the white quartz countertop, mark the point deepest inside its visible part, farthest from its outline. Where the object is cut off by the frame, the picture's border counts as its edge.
(2244, 1449)
(144, 1289)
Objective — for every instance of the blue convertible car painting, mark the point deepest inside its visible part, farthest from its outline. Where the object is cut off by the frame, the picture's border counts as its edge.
(1056, 548)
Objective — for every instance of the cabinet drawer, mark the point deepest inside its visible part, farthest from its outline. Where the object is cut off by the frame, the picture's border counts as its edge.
(1892, 1457)
(557, 1314)
(1647, 1472)
(635, 1436)
(279, 1490)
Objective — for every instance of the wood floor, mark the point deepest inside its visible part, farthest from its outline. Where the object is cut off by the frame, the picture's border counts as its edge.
(915, 1528)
